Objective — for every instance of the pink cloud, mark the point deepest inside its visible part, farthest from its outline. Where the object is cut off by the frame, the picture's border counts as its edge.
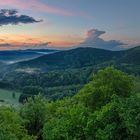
(39, 6)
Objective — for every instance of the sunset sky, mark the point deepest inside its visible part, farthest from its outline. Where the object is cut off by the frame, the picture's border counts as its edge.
(108, 24)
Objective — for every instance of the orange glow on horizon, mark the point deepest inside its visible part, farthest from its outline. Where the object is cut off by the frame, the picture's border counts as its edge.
(22, 41)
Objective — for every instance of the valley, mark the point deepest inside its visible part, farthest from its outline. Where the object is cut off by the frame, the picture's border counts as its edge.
(64, 73)
(71, 94)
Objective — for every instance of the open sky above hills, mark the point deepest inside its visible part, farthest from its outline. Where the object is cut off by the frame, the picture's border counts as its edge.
(108, 24)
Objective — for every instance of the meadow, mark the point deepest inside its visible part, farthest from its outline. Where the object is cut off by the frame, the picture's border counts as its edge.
(9, 97)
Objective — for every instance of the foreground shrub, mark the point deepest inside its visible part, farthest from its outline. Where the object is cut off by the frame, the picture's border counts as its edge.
(11, 126)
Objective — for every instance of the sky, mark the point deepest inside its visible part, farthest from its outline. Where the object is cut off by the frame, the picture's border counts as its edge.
(64, 24)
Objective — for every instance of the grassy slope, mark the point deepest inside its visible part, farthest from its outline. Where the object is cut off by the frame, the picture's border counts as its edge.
(6, 95)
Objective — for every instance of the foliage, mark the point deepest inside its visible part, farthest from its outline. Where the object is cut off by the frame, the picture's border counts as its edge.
(55, 85)
(33, 113)
(69, 123)
(104, 85)
(30, 91)
(117, 120)
(108, 108)
(11, 126)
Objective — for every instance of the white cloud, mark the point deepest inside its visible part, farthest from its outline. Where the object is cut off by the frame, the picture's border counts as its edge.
(94, 40)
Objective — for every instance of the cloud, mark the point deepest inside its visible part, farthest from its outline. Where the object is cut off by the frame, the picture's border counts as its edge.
(38, 45)
(94, 40)
(5, 45)
(11, 16)
(24, 45)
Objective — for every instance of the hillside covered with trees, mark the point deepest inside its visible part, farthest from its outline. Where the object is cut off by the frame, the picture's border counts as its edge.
(64, 73)
(106, 108)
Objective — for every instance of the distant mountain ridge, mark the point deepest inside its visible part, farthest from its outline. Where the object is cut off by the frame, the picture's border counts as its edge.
(82, 57)
(69, 69)
(131, 56)
(74, 58)
(21, 55)
(77, 58)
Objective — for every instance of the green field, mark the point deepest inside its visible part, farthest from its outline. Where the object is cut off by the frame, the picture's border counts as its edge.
(6, 97)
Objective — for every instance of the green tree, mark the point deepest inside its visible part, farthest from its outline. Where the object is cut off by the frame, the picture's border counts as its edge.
(130, 112)
(105, 84)
(33, 113)
(30, 91)
(14, 95)
(11, 126)
(68, 123)
(118, 120)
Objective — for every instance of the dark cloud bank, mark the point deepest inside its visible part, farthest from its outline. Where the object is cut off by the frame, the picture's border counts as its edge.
(25, 46)
(5, 45)
(93, 40)
(13, 17)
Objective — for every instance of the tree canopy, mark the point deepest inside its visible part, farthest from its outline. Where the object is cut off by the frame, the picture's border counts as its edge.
(107, 108)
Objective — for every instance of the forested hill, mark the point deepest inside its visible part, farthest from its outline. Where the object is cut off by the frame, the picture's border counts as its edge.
(83, 57)
(12, 56)
(131, 56)
(68, 70)
(75, 58)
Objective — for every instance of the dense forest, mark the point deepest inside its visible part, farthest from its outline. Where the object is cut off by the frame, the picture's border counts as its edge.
(63, 73)
(106, 108)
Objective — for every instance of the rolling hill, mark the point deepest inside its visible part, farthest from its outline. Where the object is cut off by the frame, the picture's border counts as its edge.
(13, 56)
(75, 58)
(68, 70)
(131, 56)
